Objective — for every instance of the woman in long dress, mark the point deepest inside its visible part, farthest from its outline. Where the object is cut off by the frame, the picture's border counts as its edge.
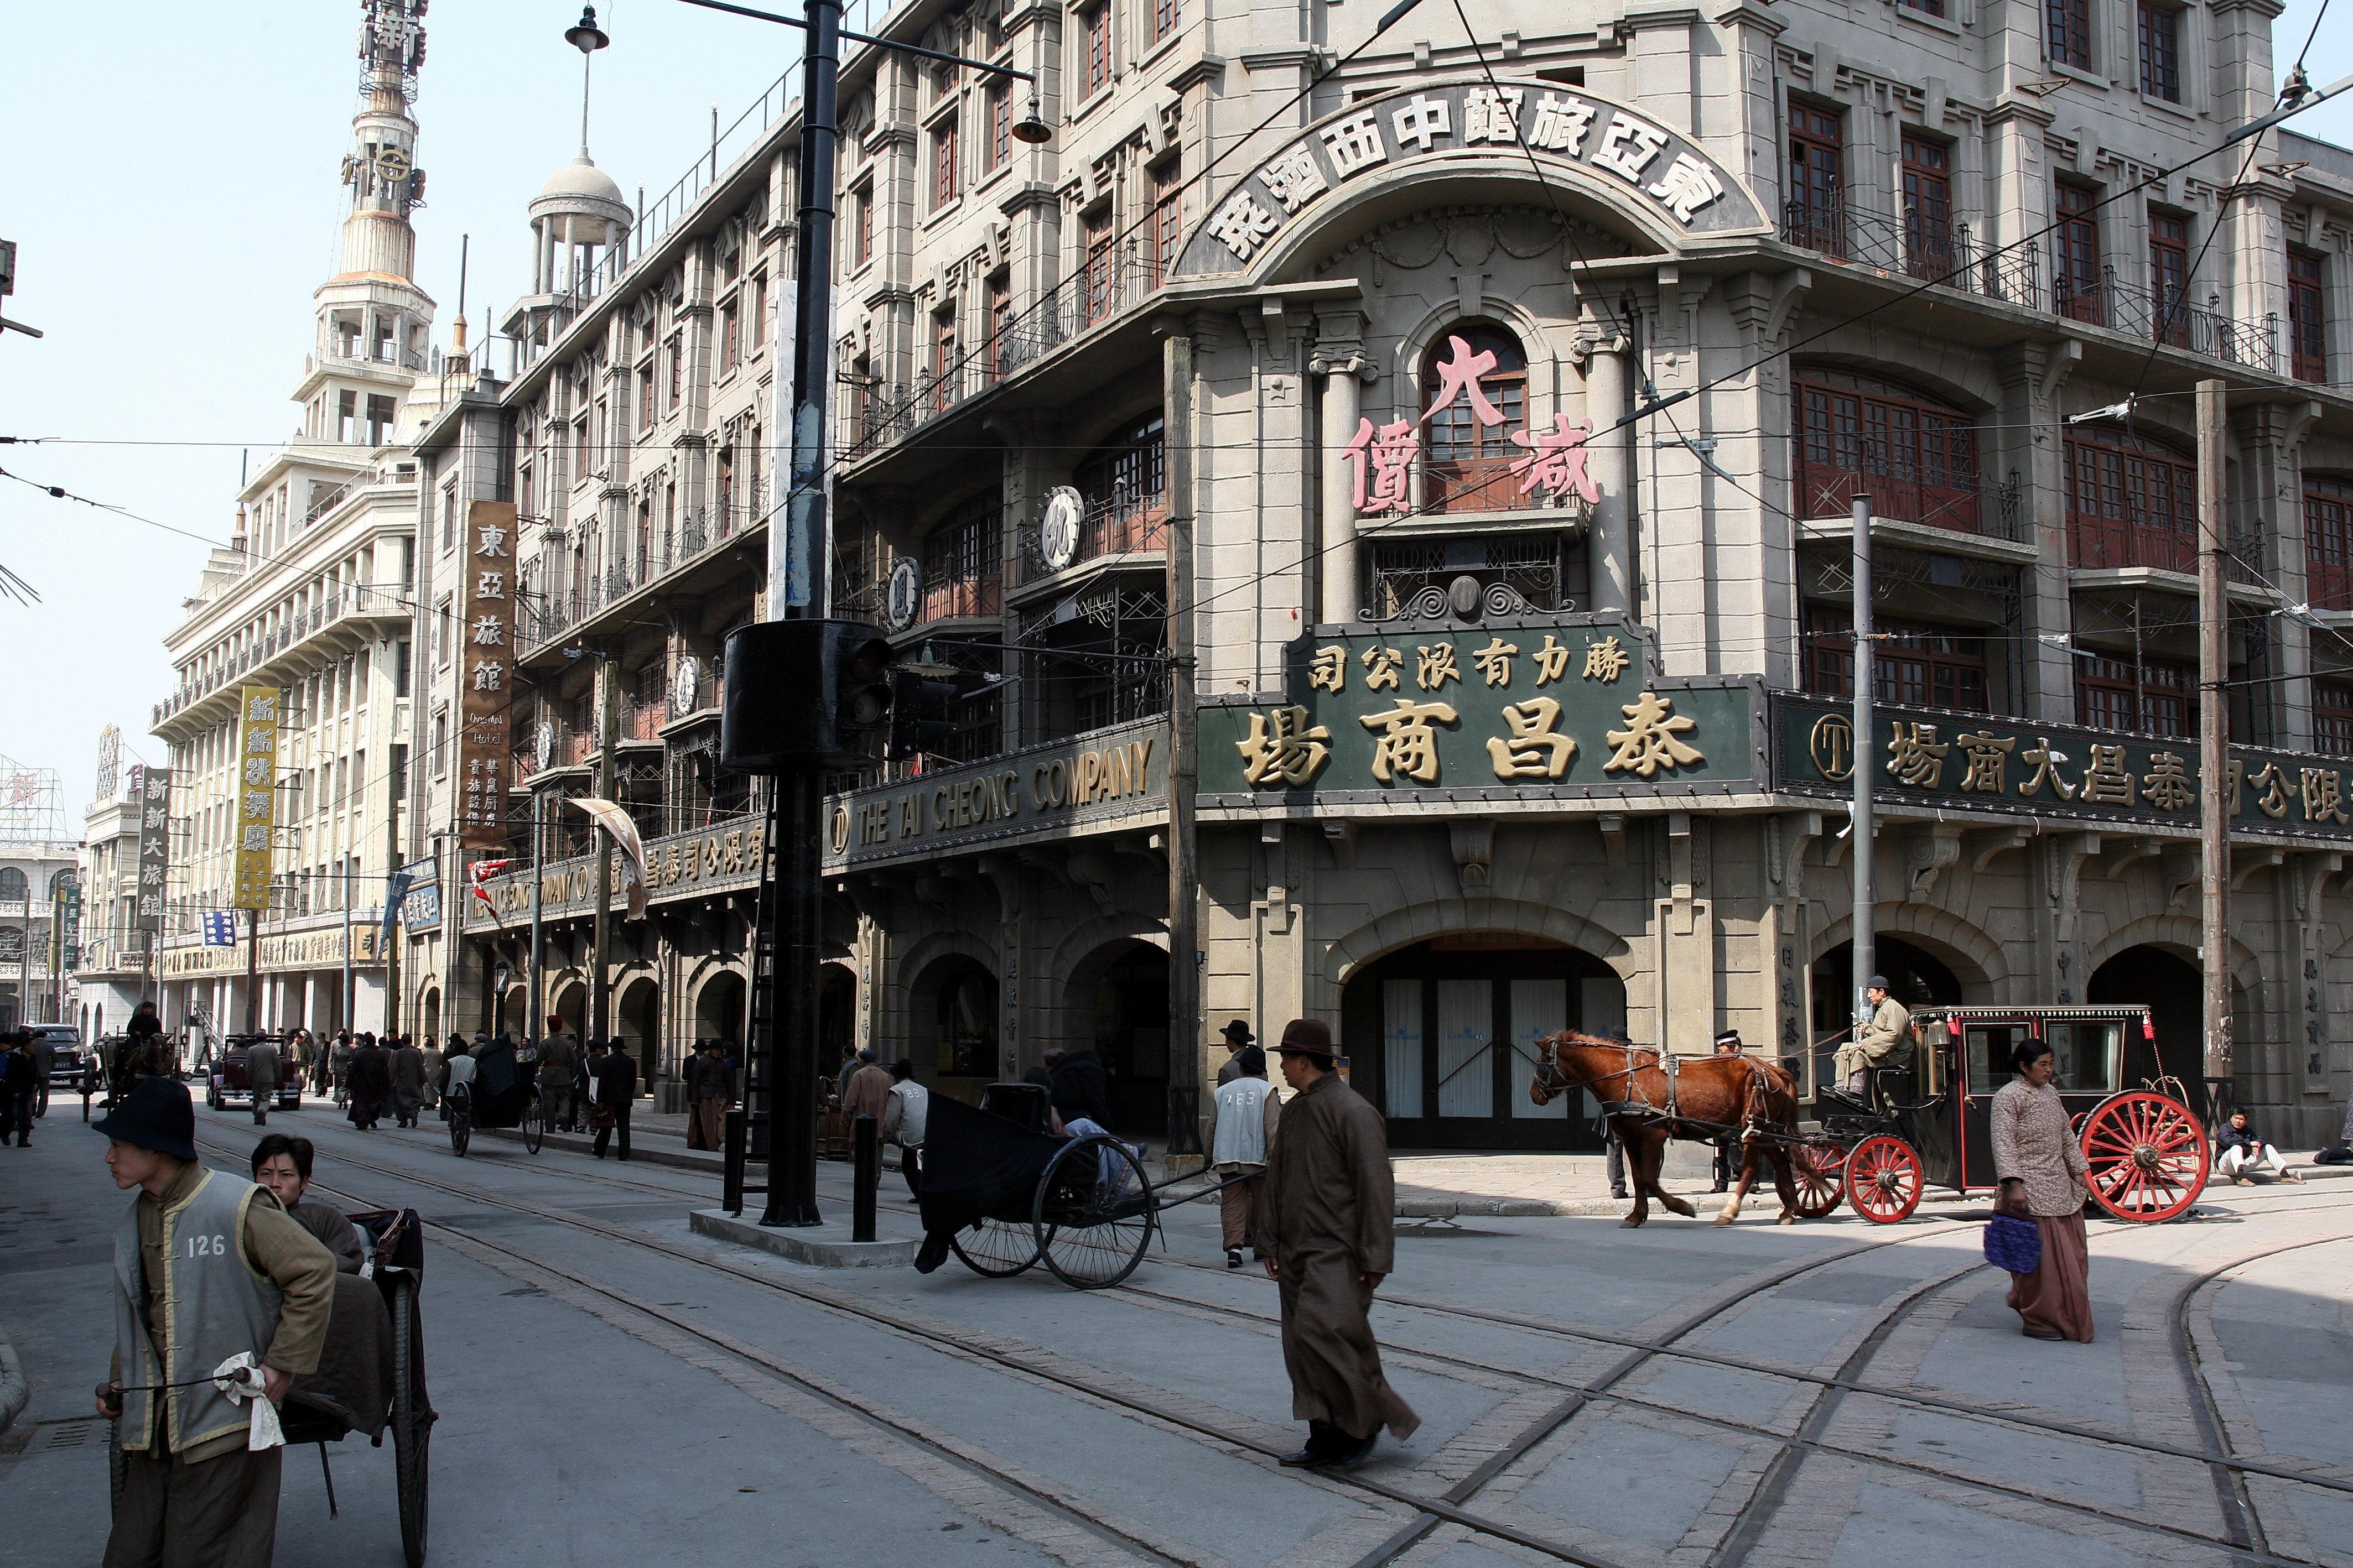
(2041, 1169)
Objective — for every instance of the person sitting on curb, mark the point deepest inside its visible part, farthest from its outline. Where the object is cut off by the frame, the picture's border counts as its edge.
(2238, 1151)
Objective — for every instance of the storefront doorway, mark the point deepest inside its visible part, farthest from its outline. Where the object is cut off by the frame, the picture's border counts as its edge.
(1442, 1036)
(1129, 1001)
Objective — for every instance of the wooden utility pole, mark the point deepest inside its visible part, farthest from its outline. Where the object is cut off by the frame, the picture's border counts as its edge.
(608, 740)
(2213, 747)
(1863, 826)
(1184, 874)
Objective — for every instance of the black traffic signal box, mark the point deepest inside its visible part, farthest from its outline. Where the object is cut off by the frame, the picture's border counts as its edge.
(806, 694)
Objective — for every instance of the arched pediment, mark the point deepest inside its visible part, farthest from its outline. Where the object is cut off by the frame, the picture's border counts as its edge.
(1594, 152)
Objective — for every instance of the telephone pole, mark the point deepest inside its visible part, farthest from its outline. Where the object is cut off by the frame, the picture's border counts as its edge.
(1864, 829)
(2213, 749)
(609, 740)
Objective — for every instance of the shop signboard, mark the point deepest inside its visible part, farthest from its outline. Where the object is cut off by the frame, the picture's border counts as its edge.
(1967, 761)
(151, 795)
(1519, 711)
(485, 636)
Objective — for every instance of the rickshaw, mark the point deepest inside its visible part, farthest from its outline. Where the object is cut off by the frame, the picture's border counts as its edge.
(502, 1093)
(379, 1396)
(1927, 1115)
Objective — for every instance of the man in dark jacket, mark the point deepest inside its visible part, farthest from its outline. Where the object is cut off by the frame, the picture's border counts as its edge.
(19, 1088)
(1082, 1087)
(614, 1077)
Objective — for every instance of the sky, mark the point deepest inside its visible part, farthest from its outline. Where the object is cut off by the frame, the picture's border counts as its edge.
(169, 176)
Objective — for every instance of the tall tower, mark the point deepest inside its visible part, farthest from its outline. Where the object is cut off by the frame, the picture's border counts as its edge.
(375, 322)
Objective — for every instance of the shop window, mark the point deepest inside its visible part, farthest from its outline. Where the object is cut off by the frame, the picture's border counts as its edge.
(2130, 502)
(1467, 423)
(2332, 718)
(1912, 665)
(2151, 698)
(2076, 257)
(2328, 542)
(2307, 317)
(1915, 456)
(2069, 34)
(2160, 51)
(1817, 217)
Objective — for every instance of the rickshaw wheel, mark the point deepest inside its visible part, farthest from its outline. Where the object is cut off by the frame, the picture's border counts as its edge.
(1883, 1179)
(412, 1426)
(996, 1249)
(2148, 1159)
(1092, 1230)
(461, 1129)
(533, 1131)
(1819, 1172)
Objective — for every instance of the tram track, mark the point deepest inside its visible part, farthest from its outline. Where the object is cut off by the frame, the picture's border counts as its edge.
(2245, 1542)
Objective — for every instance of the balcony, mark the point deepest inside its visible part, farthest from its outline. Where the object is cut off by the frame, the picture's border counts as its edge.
(361, 601)
(1954, 497)
(1909, 246)
(883, 413)
(2158, 317)
(2107, 542)
(704, 530)
(1118, 525)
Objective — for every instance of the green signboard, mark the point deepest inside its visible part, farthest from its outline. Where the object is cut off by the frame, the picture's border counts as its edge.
(1964, 761)
(1541, 708)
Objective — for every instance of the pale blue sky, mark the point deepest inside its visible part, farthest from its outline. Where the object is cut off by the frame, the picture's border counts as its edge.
(169, 174)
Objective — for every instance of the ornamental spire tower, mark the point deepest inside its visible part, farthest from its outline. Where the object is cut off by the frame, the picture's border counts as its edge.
(381, 168)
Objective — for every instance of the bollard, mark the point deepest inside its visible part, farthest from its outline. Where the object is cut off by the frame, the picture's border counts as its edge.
(731, 1180)
(866, 1171)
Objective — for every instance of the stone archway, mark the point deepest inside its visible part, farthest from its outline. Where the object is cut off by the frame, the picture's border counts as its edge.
(570, 1003)
(1115, 1003)
(720, 1013)
(1421, 921)
(952, 1021)
(638, 1024)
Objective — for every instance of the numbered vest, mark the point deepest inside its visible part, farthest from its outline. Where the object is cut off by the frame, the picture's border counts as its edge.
(215, 1305)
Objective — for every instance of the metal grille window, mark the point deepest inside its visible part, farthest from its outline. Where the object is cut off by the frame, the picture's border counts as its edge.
(2160, 51)
(1915, 458)
(2328, 542)
(2332, 718)
(1914, 666)
(2307, 317)
(2069, 32)
(2130, 505)
(1470, 461)
(1517, 571)
(2151, 698)
(1817, 179)
(2076, 257)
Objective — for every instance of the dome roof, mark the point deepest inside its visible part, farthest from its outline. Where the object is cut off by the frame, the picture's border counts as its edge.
(579, 179)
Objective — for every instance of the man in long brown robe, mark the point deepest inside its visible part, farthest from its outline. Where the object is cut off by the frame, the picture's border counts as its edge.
(1325, 1227)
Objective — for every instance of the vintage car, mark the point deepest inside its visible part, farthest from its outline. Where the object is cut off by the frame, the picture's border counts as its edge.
(228, 1085)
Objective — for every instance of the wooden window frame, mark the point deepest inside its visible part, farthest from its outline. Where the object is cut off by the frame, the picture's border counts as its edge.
(1465, 465)
(2308, 316)
(1915, 454)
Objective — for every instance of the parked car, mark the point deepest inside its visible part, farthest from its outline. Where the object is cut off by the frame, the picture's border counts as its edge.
(64, 1055)
(228, 1084)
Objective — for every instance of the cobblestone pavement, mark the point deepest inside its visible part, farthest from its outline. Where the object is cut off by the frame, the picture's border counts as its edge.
(614, 1388)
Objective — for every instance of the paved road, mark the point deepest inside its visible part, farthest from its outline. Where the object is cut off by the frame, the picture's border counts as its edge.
(613, 1387)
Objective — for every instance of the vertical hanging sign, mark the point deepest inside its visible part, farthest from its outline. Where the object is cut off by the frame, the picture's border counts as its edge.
(261, 710)
(486, 674)
(151, 797)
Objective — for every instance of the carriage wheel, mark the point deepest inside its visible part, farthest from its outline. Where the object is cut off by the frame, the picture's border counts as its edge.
(412, 1423)
(2147, 1158)
(995, 1247)
(1819, 1172)
(533, 1130)
(1094, 1213)
(1883, 1179)
(462, 1131)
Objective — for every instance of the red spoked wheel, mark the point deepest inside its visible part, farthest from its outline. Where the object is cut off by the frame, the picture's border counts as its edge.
(1883, 1179)
(1818, 1172)
(2148, 1158)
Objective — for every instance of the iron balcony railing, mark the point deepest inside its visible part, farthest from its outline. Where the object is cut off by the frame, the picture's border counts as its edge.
(377, 599)
(1913, 245)
(551, 606)
(1955, 496)
(2168, 317)
(1119, 524)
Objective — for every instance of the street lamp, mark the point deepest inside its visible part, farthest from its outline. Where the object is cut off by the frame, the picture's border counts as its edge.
(585, 34)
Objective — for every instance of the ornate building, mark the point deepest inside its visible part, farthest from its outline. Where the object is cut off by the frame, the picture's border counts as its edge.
(313, 599)
(1512, 715)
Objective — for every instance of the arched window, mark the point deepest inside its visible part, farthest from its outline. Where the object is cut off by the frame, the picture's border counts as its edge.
(1474, 393)
(1915, 454)
(63, 879)
(1125, 483)
(2132, 500)
(12, 885)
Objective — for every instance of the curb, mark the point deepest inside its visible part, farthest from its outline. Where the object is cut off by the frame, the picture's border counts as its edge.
(639, 1153)
(824, 1246)
(15, 1392)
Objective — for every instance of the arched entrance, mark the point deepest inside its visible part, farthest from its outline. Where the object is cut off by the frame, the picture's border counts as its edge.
(639, 1026)
(1120, 998)
(2170, 987)
(1441, 1036)
(719, 1014)
(952, 1011)
(570, 1004)
(837, 1013)
(1916, 977)
(428, 1010)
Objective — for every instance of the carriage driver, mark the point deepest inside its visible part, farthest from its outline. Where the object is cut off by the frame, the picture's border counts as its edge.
(1880, 1035)
(206, 1266)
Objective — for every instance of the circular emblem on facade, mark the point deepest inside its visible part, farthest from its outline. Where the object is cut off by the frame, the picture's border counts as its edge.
(840, 829)
(902, 597)
(543, 744)
(1058, 528)
(392, 166)
(686, 685)
(1831, 744)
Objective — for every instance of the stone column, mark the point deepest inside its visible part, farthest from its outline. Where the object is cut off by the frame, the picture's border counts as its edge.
(1340, 569)
(1611, 550)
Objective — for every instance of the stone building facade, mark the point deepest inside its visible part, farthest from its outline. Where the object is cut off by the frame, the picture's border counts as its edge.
(1512, 715)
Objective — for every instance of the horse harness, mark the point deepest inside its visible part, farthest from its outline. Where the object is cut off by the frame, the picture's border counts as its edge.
(1641, 1110)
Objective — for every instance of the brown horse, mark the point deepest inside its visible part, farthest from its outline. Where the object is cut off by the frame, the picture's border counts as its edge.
(1706, 1096)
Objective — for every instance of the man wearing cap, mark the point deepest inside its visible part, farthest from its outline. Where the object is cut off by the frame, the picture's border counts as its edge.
(1325, 1229)
(205, 1266)
(1242, 1126)
(1238, 1038)
(1880, 1035)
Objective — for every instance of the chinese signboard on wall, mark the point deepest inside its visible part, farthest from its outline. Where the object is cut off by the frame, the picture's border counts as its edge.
(1537, 708)
(260, 709)
(65, 926)
(681, 865)
(485, 636)
(321, 949)
(151, 794)
(1964, 762)
(1653, 166)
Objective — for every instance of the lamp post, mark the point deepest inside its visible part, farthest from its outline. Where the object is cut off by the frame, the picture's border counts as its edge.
(783, 1000)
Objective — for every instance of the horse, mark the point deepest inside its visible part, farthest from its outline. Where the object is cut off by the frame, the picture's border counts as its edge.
(1648, 1105)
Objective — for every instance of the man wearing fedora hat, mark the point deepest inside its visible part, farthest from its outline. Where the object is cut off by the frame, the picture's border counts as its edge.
(1238, 1038)
(206, 1266)
(1325, 1229)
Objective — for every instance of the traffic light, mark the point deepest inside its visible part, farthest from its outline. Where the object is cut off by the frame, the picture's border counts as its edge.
(921, 714)
(804, 693)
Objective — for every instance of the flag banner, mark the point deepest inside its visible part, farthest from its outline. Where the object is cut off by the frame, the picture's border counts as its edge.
(614, 820)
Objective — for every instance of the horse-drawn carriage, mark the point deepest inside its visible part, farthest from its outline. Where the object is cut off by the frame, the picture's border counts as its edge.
(1925, 1118)
(371, 1376)
(1002, 1192)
